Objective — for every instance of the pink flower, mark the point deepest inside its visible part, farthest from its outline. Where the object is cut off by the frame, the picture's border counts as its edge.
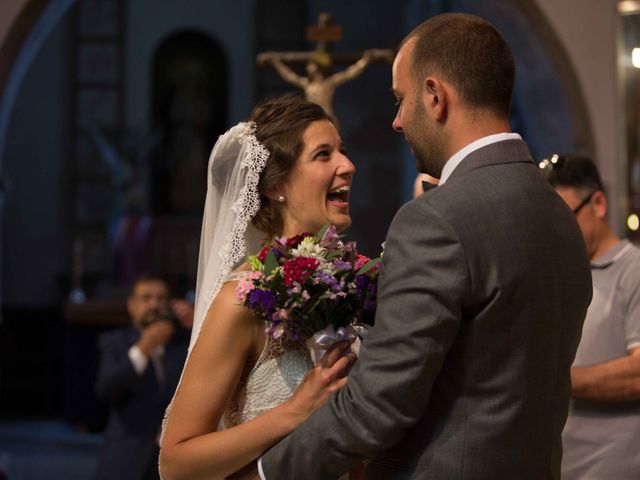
(330, 239)
(243, 289)
(253, 275)
(277, 331)
(246, 284)
(361, 260)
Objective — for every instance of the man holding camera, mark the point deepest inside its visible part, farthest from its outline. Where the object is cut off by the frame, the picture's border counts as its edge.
(140, 366)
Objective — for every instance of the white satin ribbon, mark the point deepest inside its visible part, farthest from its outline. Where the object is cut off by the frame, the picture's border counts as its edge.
(322, 340)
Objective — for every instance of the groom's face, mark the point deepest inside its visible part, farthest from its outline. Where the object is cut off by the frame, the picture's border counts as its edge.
(420, 131)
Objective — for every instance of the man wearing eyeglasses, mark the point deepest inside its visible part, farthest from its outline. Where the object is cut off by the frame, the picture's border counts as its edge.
(601, 435)
(139, 370)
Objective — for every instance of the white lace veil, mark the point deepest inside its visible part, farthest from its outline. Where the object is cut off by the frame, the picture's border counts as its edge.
(227, 237)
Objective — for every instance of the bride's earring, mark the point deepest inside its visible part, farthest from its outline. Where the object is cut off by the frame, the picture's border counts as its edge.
(281, 198)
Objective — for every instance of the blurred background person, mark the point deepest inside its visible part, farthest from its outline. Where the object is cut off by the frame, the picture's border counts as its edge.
(140, 366)
(601, 434)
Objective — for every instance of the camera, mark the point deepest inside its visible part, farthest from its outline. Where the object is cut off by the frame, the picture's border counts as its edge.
(167, 313)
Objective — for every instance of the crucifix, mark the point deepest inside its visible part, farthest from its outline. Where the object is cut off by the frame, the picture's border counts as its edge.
(319, 84)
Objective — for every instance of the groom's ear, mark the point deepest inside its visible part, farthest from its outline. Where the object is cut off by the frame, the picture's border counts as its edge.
(435, 97)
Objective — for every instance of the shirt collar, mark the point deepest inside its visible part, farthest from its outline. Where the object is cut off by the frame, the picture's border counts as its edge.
(460, 155)
(612, 255)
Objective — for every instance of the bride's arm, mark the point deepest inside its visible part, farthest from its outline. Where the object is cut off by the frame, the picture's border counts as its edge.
(191, 446)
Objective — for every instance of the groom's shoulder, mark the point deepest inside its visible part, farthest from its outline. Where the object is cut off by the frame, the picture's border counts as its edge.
(426, 210)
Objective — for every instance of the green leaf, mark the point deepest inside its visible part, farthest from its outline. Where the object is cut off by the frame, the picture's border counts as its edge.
(323, 230)
(255, 263)
(368, 266)
(270, 263)
(277, 283)
(333, 254)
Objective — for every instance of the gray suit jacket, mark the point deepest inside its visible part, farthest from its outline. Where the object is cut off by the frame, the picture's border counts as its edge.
(465, 375)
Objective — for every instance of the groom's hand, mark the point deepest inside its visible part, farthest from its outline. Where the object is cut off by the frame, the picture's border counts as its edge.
(328, 376)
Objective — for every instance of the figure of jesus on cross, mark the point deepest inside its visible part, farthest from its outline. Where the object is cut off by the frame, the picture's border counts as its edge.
(319, 85)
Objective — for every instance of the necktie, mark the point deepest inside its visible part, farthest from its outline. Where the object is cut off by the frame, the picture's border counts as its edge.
(156, 359)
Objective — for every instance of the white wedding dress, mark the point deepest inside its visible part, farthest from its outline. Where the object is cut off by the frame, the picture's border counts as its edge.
(269, 382)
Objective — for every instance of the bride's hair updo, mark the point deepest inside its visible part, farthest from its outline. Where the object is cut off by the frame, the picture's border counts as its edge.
(280, 125)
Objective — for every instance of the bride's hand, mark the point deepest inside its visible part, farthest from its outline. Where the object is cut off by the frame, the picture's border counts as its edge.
(328, 376)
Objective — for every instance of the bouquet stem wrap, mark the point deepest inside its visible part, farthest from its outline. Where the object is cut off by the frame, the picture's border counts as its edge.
(323, 340)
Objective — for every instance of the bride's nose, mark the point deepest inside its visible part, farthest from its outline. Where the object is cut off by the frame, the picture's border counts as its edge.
(346, 167)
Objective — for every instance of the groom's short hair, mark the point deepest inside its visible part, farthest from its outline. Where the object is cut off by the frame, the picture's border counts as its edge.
(470, 54)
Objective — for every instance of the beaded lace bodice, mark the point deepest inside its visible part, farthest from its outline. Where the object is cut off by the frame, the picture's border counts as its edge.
(270, 381)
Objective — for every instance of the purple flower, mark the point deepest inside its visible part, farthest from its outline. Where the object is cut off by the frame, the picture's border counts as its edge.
(325, 278)
(262, 299)
(330, 239)
(342, 265)
(362, 282)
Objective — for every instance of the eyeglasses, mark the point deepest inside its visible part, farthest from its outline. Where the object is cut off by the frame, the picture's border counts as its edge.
(583, 203)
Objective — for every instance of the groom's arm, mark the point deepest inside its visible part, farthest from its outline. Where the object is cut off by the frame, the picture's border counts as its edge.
(423, 280)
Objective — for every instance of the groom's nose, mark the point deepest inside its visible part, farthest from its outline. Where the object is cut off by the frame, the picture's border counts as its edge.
(397, 123)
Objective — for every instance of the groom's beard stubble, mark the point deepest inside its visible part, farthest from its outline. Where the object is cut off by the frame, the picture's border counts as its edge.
(427, 142)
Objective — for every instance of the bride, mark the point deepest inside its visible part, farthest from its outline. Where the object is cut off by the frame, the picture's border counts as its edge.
(282, 173)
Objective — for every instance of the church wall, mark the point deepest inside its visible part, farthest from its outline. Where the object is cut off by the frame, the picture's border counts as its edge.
(588, 30)
(35, 213)
(149, 22)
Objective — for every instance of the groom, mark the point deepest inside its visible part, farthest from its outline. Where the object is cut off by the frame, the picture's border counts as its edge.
(484, 288)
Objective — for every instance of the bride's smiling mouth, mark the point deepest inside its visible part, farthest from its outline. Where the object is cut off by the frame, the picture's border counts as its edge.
(339, 196)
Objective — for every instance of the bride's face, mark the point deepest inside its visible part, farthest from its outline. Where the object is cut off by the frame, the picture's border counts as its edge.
(317, 191)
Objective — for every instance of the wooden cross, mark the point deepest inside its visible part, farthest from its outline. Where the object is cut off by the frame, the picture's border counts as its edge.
(320, 83)
(324, 33)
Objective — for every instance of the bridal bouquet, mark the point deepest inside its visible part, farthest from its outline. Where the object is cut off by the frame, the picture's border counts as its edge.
(311, 286)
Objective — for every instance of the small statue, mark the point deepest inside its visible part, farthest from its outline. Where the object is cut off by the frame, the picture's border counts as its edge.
(317, 86)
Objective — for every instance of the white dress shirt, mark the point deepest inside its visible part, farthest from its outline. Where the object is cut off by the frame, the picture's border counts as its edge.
(461, 154)
(140, 361)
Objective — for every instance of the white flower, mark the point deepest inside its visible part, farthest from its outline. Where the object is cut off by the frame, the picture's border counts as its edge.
(308, 248)
(326, 267)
